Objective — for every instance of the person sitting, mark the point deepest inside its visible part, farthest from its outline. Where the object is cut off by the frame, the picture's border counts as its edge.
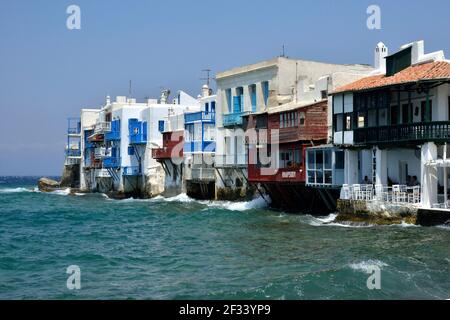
(414, 182)
(366, 180)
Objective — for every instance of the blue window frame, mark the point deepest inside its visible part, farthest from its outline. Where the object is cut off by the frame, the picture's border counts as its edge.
(161, 125)
(265, 89)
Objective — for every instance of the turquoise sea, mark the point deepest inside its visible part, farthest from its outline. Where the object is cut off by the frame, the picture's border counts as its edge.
(179, 248)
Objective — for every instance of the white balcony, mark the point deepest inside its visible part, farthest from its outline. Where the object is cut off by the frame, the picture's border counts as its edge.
(102, 173)
(102, 152)
(102, 127)
(231, 160)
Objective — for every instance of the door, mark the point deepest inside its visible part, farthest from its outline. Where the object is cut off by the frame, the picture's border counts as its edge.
(403, 172)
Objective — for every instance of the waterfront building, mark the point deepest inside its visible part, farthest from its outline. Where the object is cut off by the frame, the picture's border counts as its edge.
(200, 146)
(394, 127)
(260, 88)
(70, 177)
(119, 139)
(169, 154)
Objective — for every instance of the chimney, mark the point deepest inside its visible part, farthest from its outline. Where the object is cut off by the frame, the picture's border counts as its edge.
(205, 91)
(164, 96)
(381, 52)
(108, 100)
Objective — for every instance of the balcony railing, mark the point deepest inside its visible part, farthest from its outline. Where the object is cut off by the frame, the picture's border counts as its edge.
(132, 171)
(102, 152)
(73, 153)
(113, 135)
(199, 116)
(111, 162)
(166, 153)
(228, 161)
(138, 139)
(233, 119)
(413, 132)
(199, 146)
(102, 173)
(294, 174)
(201, 173)
(102, 127)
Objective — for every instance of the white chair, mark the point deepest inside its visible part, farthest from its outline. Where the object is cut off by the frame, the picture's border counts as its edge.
(345, 192)
(379, 192)
(368, 192)
(395, 192)
(356, 192)
(414, 197)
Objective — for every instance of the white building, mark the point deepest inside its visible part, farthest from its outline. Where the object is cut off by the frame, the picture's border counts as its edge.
(118, 140)
(255, 88)
(394, 126)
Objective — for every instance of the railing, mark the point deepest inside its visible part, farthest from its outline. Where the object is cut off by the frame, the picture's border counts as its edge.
(397, 194)
(73, 152)
(199, 116)
(111, 162)
(201, 174)
(432, 131)
(260, 174)
(102, 127)
(166, 153)
(102, 152)
(102, 173)
(113, 135)
(236, 160)
(199, 146)
(233, 119)
(138, 139)
(74, 131)
(132, 171)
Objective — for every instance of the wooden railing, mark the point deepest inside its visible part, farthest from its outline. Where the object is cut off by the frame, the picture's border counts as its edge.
(420, 132)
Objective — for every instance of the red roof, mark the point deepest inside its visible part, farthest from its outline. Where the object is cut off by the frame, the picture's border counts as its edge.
(422, 72)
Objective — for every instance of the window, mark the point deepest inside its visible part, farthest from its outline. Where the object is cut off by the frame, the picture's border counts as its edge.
(289, 119)
(161, 125)
(228, 97)
(339, 126)
(394, 115)
(265, 90)
(213, 106)
(206, 107)
(324, 94)
(302, 118)
(348, 122)
(361, 119)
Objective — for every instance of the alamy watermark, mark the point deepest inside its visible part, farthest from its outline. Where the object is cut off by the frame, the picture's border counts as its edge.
(374, 19)
(73, 21)
(74, 279)
(374, 280)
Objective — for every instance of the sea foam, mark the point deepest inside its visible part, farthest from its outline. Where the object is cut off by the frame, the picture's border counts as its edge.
(367, 265)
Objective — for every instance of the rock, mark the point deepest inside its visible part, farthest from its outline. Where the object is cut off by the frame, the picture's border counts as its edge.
(48, 185)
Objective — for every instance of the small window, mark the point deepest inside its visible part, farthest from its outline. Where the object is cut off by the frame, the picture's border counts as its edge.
(348, 122)
(302, 118)
(324, 94)
(361, 120)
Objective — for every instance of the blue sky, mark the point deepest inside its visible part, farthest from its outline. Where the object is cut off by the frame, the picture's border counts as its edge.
(48, 73)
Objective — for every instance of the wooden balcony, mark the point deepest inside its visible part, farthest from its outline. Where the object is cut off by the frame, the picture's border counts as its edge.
(167, 152)
(404, 133)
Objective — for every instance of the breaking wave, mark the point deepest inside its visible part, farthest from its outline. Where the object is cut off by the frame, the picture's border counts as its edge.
(366, 266)
(328, 221)
(63, 192)
(17, 190)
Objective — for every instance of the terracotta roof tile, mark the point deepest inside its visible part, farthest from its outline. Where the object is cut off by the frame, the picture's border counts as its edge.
(427, 71)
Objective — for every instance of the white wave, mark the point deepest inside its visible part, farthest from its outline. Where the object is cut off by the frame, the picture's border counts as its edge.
(367, 266)
(257, 203)
(327, 219)
(62, 192)
(183, 197)
(15, 190)
(79, 194)
(406, 225)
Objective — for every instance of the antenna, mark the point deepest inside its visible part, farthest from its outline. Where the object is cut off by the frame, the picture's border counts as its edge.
(129, 90)
(283, 53)
(208, 77)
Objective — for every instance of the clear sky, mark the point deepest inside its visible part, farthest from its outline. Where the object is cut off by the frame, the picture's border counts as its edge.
(48, 73)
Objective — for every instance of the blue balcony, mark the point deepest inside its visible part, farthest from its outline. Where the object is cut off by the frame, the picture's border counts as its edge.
(112, 162)
(138, 131)
(73, 126)
(209, 117)
(114, 134)
(200, 147)
(73, 152)
(133, 171)
(233, 119)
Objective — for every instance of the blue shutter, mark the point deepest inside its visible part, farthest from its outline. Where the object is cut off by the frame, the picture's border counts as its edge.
(253, 98)
(266, 91)
(213, 106)
(130, 151)
(236, 104)
(144, 131)
(161, 125)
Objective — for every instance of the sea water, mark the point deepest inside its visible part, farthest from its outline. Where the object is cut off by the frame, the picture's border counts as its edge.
(180, 248)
